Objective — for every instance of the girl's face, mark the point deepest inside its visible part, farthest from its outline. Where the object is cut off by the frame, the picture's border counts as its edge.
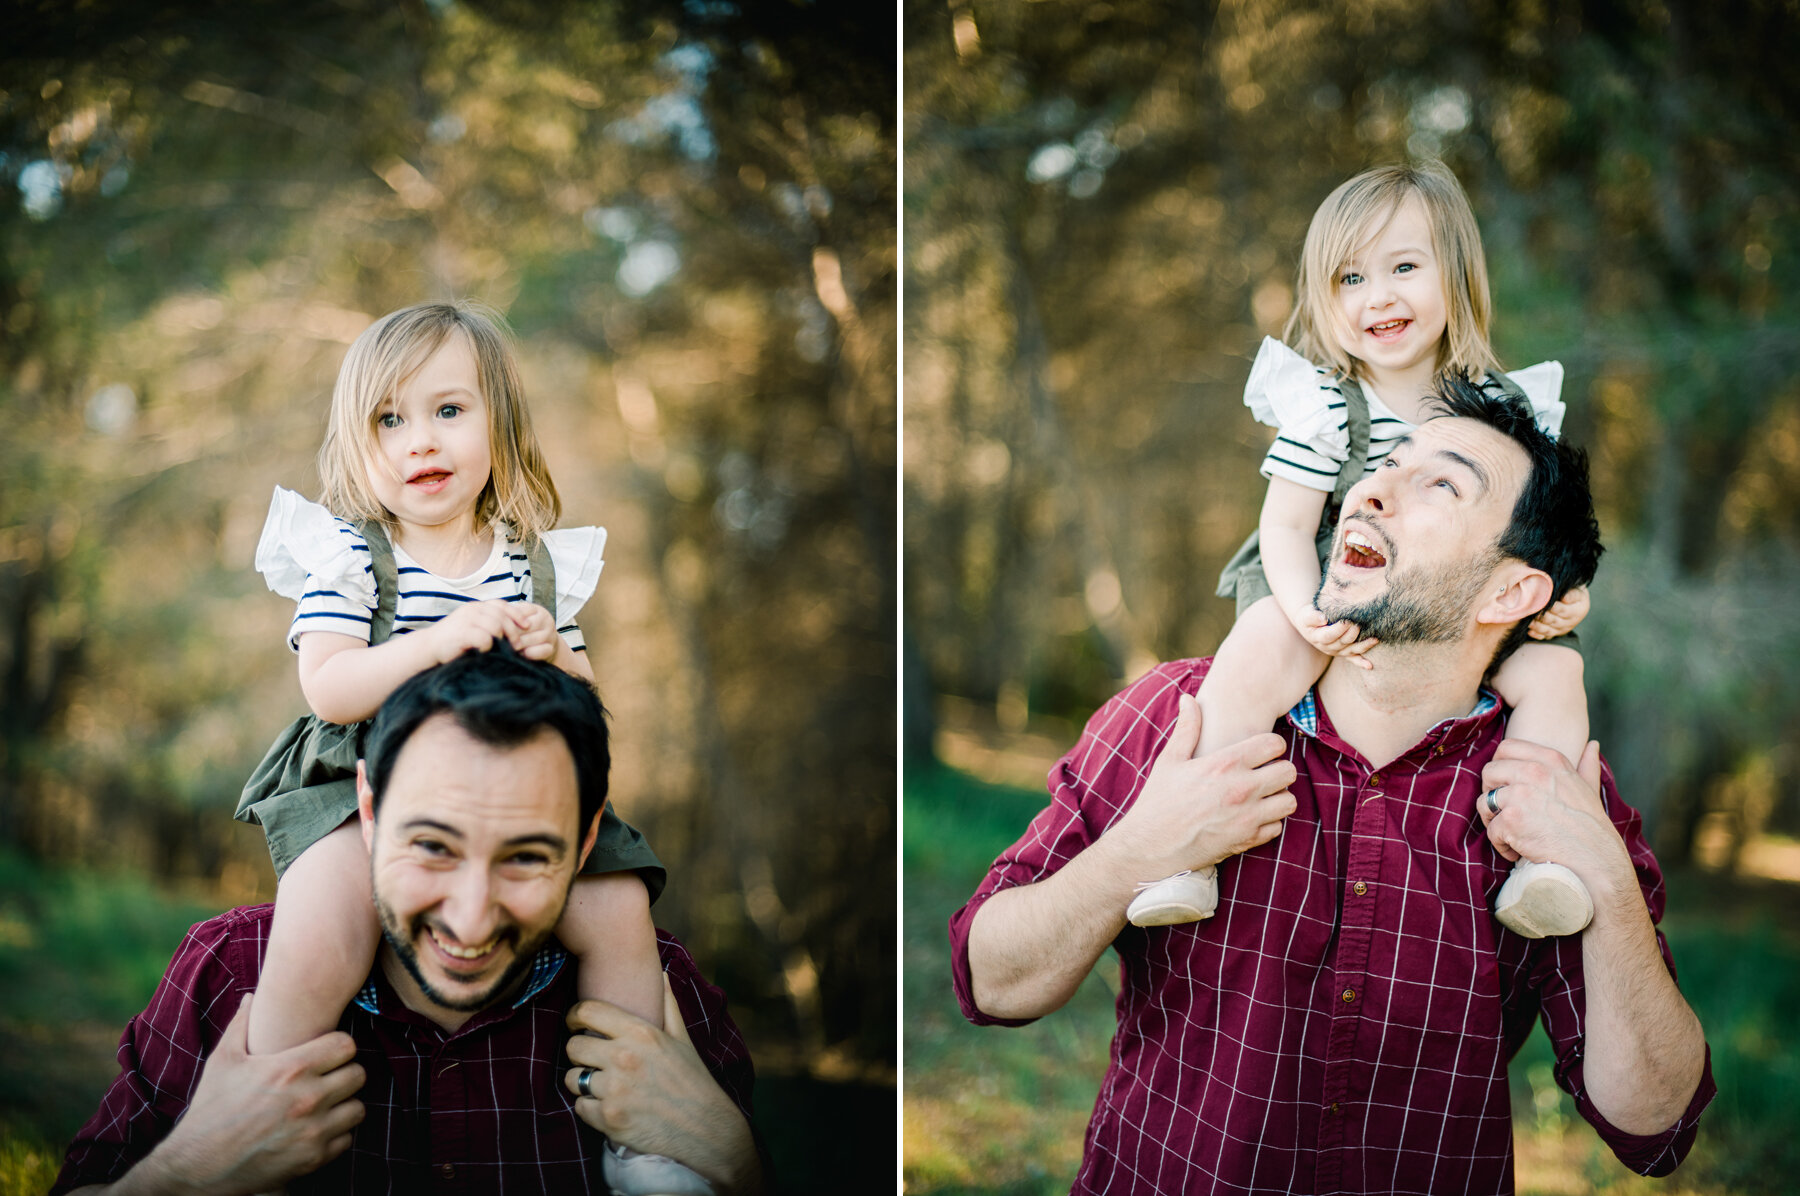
(432, 458)
(1390, 296)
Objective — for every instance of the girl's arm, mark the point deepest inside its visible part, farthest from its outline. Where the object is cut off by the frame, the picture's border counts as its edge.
(1290, 555)
(1288, 530)
(346, 680)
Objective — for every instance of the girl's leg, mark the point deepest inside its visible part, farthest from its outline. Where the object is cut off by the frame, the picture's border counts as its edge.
(607, 927)
(1259, 673)
(321, 944)
(1542, 682)
(1261, 670)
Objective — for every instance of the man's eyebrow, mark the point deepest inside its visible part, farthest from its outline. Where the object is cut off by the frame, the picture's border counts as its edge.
(1481, 477)
(555, 843)
(430, 824)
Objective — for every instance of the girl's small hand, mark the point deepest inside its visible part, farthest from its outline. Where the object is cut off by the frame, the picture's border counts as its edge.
(471, 628)
(533, 631)
(1561, 616)
(1342, 638)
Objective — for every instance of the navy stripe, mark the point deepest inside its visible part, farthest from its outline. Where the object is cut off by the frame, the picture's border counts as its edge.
(566, 630)
(326, 594)
(410, 569)
(365, 620)
(410, 594)
(1324, 473)
(579, 648)
(515, 556)
(496, 577)
(417, 618)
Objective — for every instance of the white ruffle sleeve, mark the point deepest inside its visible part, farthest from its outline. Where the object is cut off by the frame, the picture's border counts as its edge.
(575, 554)
(1542, 384)
(1288, 392)
(302, 540)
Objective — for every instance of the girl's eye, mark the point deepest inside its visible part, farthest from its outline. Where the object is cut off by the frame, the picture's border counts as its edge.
(449, 411)
(387, 419)
(1349, 278)
(1405, 268)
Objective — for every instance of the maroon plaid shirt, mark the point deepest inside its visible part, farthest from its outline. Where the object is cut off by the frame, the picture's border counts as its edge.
(482, 1109)
(1344, 1022)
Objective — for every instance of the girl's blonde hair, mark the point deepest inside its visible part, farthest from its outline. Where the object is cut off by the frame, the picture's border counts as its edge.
(390, 351)
(1355, 214)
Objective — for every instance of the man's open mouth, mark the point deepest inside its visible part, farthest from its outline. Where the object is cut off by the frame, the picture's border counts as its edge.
(1360, 552)
(459, 951)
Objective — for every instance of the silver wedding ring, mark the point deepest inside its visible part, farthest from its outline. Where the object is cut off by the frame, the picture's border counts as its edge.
(1493, 801)
(581, 1082)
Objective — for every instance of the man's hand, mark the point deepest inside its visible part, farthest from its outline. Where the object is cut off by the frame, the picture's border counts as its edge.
(1342, 638)
(652, 1093)
(1552, 811)
(1194, 812)
(1561, 616)
(257, 1121)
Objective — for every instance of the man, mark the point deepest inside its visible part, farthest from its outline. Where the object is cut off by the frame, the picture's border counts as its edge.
(480, 796)
(1344, 1021)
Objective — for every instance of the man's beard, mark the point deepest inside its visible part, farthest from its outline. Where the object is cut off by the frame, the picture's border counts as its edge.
(403, 944)
(1419, 606)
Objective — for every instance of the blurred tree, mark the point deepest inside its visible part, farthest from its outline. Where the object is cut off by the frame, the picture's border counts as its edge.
(1104, 207)
(687, 211)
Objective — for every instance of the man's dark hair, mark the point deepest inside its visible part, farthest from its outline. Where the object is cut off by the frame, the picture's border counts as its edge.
(500, 699)
(1553, 526)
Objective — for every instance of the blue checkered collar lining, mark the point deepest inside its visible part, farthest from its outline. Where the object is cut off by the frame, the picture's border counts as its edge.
(1305, 716)
(544, 968)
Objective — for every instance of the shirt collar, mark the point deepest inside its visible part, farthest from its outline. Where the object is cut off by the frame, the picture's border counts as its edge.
(544, 968)
(1305, 716)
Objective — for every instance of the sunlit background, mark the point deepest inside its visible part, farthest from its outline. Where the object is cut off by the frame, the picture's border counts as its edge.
(687, 212)
(1104, 204)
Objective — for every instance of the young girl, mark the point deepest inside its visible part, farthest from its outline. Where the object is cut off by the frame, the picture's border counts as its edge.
(1392, 291)
(433, 540)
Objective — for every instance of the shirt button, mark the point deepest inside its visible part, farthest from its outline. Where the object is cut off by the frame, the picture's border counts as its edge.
(1374, 778)
(1336, 1108)
(448, 1171)
(1349, 994)
(1359, 888)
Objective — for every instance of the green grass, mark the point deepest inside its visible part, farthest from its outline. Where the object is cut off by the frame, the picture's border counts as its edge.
(1002, 1112)
(80, 953)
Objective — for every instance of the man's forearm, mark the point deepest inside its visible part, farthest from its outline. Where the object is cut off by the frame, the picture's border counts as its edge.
(1645, 1051)
(1030, 947)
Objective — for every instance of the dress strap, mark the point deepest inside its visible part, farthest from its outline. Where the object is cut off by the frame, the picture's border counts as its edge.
(543, 574)
(387, 578)
(1356, 418)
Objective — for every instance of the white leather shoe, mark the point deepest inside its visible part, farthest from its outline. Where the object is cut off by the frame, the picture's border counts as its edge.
(1184, 897)
(1543, 900)
(629, 1173)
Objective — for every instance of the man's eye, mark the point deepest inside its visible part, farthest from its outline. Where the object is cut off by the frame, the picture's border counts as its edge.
(1389, 463)
(529, 859)
(1447, 484)
(431, 847)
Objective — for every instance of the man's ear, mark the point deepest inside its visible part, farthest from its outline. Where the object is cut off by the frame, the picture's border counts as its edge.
(365, 806)
(587, 843)
(1517, 591)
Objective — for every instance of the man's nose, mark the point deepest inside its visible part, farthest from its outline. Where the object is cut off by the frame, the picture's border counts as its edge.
(468, 910)
(1369, 495)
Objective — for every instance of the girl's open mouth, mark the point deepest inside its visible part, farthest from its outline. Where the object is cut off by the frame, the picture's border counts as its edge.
(428, 481)
(1388, 330)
